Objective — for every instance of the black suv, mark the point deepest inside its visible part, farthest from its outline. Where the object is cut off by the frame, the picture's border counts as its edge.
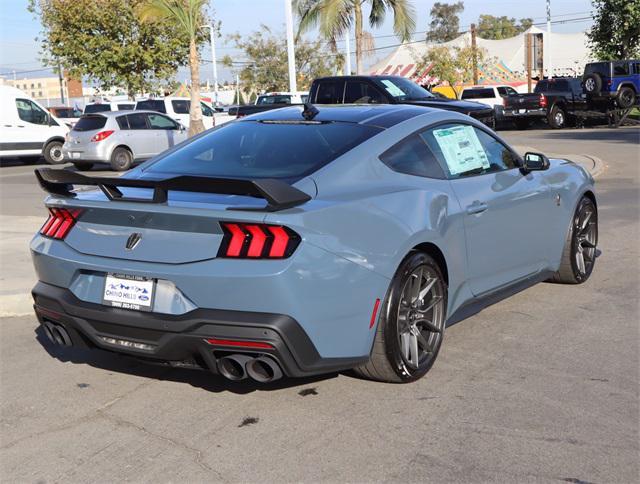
(619, 80)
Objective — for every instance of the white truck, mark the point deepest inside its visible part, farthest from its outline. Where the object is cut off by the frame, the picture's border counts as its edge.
(28, 129)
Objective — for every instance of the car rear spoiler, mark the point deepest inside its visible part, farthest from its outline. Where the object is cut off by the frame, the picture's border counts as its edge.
(278, 194)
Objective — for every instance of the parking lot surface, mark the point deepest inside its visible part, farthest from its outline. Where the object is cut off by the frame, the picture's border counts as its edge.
(543, 386)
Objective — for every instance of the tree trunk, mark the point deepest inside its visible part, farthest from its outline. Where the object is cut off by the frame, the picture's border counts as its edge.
(195, 112)
(357, 10)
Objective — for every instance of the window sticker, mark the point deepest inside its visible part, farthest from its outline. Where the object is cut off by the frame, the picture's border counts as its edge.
(392, 89)
(461, 149)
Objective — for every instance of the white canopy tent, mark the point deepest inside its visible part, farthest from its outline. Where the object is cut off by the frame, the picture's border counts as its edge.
(568, 54)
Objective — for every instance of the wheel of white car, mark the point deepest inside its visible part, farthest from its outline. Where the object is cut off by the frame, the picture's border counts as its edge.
(411, 323)
(53, 152)
(579, 255)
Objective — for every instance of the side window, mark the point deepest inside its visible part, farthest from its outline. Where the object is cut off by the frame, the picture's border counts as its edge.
(412, 157)
(122, 122)
(621, 69)
(30, 112)
(636, 68)
(329, 92)
(466, 150)
(137, 121)
(157, 121)
(362, 93)
(206, 110)
(181, 106)
(502, 91)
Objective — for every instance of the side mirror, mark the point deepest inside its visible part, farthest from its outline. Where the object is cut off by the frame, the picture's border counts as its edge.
(535, 162)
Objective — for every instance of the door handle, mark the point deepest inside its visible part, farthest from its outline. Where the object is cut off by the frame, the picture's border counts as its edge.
(477, 207)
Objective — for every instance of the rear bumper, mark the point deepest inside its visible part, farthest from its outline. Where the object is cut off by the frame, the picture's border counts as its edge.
(528, 113)
(180, 340)
(87, 151)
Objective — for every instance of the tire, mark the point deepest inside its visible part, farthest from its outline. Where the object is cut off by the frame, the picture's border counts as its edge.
(522, 123)
(53, 152)
(121, 159)
(83, 166)
(399, 355)
(626, 97)
(581, 242)
(593, 84)
(557, 117)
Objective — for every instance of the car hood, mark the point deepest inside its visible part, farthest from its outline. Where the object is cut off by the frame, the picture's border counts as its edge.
(451, 105)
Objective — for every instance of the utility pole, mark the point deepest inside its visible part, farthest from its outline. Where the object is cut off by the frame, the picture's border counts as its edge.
(474, 54)
(547, 43)
(61, 85)
(238, 89)
(347, 46)
(291, 55)
(527, 58)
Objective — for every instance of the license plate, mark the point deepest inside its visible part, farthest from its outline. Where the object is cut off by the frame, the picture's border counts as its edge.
(75, 155)
(128, 292)
(522, 111)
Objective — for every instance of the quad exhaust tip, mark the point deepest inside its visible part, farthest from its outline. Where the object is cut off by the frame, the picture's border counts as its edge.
(262, 369)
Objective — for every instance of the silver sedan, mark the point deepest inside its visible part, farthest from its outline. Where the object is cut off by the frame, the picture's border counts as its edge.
(120, 138)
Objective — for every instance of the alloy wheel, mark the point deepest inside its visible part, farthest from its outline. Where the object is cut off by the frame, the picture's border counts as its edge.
(421, 317)
(585, 240)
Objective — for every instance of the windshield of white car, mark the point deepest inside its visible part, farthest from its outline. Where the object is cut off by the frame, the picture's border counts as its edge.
(403, 89)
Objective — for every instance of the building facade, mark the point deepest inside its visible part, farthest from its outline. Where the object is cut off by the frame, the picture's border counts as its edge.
(44, 88)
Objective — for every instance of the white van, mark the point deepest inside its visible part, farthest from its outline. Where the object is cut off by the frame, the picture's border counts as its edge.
(177, 108)
(28, 129)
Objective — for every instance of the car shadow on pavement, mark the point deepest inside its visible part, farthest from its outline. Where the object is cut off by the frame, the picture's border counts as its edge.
(118, 363)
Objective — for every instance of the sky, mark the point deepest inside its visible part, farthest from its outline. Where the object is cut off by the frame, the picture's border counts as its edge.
(19, 29)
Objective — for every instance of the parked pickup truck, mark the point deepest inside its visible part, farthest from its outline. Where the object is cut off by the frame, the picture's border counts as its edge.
(554, 99)
(268, 101)
(390, 90)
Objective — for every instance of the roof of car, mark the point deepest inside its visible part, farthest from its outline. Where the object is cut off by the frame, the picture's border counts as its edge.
(111, 114)
(381, 115)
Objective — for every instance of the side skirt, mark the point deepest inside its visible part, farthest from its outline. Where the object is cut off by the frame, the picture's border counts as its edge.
(477, 304)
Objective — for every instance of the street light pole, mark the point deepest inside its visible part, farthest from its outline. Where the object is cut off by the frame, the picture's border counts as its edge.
(347, 46)
(291, 55)
(213, 63)
(547, 44)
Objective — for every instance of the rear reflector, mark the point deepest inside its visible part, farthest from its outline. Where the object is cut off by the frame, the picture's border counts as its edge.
(257, 241)
(60, 222)
(374, 314)
(237, 343)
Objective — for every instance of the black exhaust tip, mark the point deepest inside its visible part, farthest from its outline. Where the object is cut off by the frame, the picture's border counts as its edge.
(233, 367)
(264, 369)
(57, 334)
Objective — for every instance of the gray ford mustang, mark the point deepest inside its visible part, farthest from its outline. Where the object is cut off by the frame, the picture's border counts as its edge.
(304, 241)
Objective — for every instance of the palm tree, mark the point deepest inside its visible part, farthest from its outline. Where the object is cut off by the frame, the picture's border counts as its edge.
(334, 19)
(189, 15)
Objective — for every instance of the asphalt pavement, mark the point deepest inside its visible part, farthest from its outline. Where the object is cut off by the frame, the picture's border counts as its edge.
(543, 386)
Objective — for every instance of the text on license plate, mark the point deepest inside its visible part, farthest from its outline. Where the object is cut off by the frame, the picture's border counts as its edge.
(128, 292)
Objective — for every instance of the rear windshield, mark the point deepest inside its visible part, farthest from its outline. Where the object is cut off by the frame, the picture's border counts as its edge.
(152, 105)
(478, 94)
(89, 123)
(274, 99)
(96, 108)
(125, 107)
(66, 113)
(259, 149)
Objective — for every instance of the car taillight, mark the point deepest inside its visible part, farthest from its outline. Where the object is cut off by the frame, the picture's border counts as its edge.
(543, 101)
(257, 241)
(240, 115)
(102, 135)
(60, 222)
